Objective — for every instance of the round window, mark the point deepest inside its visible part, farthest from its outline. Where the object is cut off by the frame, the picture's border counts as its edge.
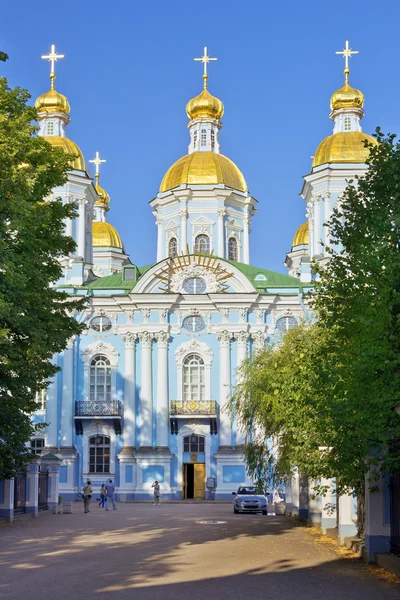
(195, 285)
(100, 324)
(193, 324)
(285, 323)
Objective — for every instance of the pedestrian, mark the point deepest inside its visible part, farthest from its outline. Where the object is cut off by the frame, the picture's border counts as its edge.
(156, 490)
(86, 495)
(102, 495)
(110, 494)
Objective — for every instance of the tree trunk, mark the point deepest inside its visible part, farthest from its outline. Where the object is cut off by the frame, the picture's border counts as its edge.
(361, 511)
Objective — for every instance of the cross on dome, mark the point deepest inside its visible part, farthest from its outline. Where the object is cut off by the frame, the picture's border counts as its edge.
(52, 57)
(97, 162)
(347, 53)
(205, 59)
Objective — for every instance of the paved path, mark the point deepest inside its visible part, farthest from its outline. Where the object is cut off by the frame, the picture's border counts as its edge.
(143, 552)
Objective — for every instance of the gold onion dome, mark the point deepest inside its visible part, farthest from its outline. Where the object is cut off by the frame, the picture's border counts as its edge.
(343, 147)
(51, 102)
(203, 168)
(347, 97)
(105, 235)
(104, 197)
(78, 163)
(205, 106)
(301, 235)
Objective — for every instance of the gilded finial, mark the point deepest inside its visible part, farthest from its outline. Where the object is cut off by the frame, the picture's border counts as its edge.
(52, 57)
(205, 59)
(347, 53)
(97, 162)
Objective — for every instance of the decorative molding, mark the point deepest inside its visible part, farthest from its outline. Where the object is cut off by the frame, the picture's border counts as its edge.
(260, 315)
(242, 314)
(146, 338)
(100, 347)
(225, 314)
(183, 213)
(163, 315)
(162, 338)
(146, 314)
(259, 338)
(242, 337)
(130, 339)
(194, 346)
(224, 337)
(221, 212)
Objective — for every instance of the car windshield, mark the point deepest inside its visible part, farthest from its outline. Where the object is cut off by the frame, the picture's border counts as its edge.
(248, 491)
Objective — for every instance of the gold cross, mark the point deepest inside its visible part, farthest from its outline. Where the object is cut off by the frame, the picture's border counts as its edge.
(205, 59)
(52, 58)
(97, 162)
(347, 53)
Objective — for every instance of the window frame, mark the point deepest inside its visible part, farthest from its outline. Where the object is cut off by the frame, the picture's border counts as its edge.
(172, 240)
(194, 446)
(194, 377)
(197, 244)
(36, 448)
(203, 138)
(100, 391)
(234, 240)
(96, 446)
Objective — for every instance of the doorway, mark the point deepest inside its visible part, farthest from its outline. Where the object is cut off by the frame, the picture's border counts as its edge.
(193, 481)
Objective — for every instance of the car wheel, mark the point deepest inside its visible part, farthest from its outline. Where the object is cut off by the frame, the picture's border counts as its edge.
(235, 510)
(265, 512)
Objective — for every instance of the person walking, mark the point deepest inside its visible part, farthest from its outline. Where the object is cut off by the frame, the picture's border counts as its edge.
(86, 495)
(156, 491)
(102, 495)
(110, 494)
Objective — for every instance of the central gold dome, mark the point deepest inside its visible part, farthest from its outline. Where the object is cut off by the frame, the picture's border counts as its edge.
(301, 236)
(203, 168)
(69, 147)
(347, 147)
(105, 235)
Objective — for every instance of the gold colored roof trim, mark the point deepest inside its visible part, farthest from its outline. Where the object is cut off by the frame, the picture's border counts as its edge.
(301, 235)
(105, 235)
(342, 147)
(70, 148)
(203, 168)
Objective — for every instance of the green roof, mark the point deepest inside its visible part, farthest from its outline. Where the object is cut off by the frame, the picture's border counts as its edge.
(263, 279)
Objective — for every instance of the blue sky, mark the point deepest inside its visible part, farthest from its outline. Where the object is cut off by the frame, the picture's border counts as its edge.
(129, 71)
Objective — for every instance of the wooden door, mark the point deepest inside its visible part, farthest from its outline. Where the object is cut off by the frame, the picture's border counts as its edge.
(199, 481)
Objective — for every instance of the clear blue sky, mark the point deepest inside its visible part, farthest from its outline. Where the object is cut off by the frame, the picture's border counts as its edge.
(129, 71)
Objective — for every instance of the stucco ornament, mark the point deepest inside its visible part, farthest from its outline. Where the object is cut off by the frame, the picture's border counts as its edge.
(194, 346)
(100, 347)
(194, 270)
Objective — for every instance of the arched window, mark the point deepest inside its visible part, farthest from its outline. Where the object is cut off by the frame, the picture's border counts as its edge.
(193, 443)
(37, 445)
(193, 378)
(232, 249)
(202, 244)
(173, 247)
(100, 379)
(285, 323)
(99, 454)
(203, 138)
(195, 138)
(50, 128)
(347, 124)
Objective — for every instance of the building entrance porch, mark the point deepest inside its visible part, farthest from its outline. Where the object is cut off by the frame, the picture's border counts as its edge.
(193, 481)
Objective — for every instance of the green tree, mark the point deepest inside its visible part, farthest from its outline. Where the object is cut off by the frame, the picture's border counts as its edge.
(325, 394)
(34, 322)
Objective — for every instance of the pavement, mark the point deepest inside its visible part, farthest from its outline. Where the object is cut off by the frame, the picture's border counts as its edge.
(173, 552)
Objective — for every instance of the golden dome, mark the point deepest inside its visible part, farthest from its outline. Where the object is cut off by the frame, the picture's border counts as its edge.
(203, 168)
(347, 97)
(104, 197)
(347, 147)
(105, 235)
(205, 106)
(70, 148)
(301, 235)
(52, 101)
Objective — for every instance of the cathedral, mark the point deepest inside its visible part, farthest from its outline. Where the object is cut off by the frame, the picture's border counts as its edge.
(142, 394)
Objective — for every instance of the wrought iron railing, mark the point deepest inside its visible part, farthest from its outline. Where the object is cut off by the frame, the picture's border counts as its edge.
(98, 409)
(193, 407)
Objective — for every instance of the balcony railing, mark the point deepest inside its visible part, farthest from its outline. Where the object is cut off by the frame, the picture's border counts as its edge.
(98, 409)
(203, 408)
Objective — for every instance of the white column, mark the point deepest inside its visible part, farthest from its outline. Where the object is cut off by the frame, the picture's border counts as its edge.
(295, 494)
(52, 411)
(221, 241)
(241, 351)
(246, 234)
(67, 405)
(225, 429)
(81, 228)
(327, 214)
(328, 507)
(317, 226)
(183, 214)
(310, 218)
(146, 392)
(129, 391)
(314, 505)
(160, 248)
(347, 517)
(162, 390)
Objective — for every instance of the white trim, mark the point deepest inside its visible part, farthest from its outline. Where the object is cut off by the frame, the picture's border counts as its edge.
(100, 428)
(88, 354)
(193, 428)
(193, 347)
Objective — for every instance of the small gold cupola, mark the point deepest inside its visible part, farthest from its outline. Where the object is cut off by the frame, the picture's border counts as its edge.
(52, 101)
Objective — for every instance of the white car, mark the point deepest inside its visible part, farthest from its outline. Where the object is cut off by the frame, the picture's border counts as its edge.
(248, 499)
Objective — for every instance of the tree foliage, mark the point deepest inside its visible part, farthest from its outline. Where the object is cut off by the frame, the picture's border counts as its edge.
(324, 395)
(34, 323)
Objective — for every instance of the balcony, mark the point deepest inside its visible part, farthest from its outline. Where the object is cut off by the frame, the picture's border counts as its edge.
(92, 409)
(193, 408)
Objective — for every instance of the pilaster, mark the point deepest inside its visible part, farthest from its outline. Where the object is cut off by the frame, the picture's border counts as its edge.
(225, 435)
(146, 391)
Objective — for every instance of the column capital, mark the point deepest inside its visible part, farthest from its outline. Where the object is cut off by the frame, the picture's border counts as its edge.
(224, 338)
(241, 337)
(259, 338)
(221, 212)
(129, 339)
(159, 221)
(146, 314)
(71, 343)
(146, 338)
(183, 213)
(162, 338)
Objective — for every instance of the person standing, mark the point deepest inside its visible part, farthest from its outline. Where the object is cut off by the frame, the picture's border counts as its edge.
(110, 494)
(102, 495)
(87, 494)
(156, 491)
